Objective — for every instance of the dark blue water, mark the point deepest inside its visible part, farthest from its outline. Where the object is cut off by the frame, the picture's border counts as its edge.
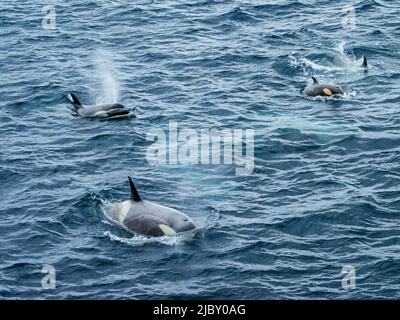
(324, 192)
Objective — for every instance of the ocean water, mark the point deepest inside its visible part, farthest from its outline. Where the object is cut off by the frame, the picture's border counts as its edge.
(324, 192)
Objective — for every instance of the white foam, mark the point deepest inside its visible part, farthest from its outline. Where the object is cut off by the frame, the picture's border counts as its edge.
(305, 63)
(137, 241)
(345, 64)
(100, 114)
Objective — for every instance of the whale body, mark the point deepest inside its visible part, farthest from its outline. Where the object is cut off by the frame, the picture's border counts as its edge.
(150, 219)
(105, 111)
(323, 89)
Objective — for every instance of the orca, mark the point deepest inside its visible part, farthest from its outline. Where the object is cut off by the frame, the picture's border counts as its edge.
(104, 111)
(146, 218)
(323, 89)
(365, 64)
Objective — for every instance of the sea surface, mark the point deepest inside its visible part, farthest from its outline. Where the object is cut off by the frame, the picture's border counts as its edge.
(324, 193)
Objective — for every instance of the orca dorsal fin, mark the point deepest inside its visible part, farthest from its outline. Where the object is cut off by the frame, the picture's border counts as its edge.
(365, 63)
(74, 100)
(134, 194)
(315, 81)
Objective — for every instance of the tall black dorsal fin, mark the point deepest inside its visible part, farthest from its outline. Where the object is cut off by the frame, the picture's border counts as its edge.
(365, 63)
(74, 100)
(315, 81)
(134, 194)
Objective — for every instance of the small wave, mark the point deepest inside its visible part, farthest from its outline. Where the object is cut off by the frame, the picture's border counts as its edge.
(233, 15)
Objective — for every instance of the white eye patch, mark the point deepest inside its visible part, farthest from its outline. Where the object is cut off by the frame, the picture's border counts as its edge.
(100, 114)
(167, 230)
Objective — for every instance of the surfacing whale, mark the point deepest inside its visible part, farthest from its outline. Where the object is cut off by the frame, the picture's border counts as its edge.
(105, 111)
(323, 89)
(150, 219)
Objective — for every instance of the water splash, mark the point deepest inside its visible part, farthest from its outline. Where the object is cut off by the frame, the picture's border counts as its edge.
(137, 241)
(348, 61)
(105, 72)
(339, 47)
(306, 64)
(212, 219)
(345, 63)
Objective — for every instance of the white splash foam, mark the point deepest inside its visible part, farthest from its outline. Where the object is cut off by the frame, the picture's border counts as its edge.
(137, 241)
(346, 63)
(340, 47)
(305, 63)
(349, 63)
(212, 219)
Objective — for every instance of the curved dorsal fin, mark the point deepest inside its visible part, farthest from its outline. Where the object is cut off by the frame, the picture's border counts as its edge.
(315, 81)
(74, 100)
(365, 63)
(134, 194)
